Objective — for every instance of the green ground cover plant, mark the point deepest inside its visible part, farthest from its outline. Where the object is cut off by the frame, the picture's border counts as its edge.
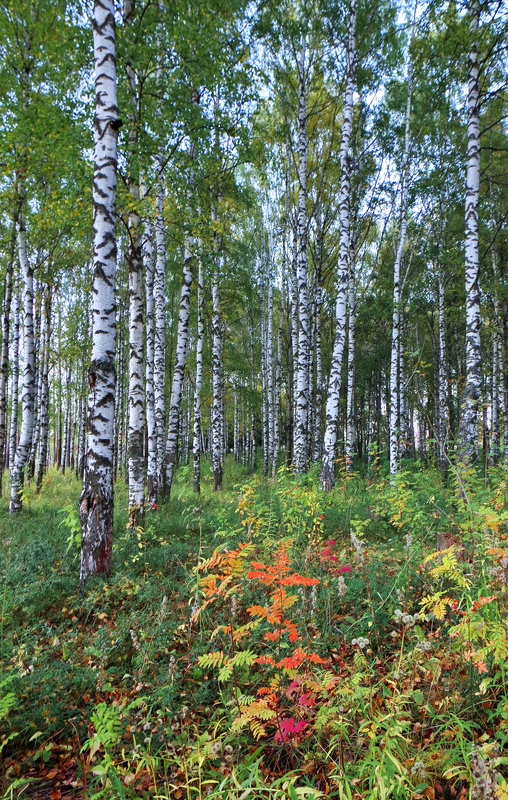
(267, 641)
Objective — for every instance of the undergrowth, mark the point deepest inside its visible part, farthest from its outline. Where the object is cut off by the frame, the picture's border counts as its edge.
(267, 641)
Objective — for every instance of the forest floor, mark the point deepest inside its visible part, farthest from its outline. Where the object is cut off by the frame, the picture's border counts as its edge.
(267, 641)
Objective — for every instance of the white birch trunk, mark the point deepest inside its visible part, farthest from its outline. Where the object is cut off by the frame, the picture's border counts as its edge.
(136, 432)
(253, 383)
(13, 428)
(44, 393)
(96, 502)
(182, 340)
(38, 336)
(350, 413)
(196, 439)
(269, 350)
(497, 367)
(65, 437)
(277, 392)
(136, 422)
(318, 400)
(468, 434)
(395, 387)
(151, 467)
(160, 334)
(333, 393)
(442, 409)
(4, 363)
(216, 380)
(317, 438)
(264, 369)
(28, 391)
(302, 380)
(80, 453)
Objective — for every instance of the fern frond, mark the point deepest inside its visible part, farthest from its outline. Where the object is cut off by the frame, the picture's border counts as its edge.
(209, 660)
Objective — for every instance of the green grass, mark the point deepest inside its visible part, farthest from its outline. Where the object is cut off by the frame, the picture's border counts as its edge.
(116, 665)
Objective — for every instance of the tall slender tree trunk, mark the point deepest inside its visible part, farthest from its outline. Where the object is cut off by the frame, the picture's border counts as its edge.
(302, 389)
(216, 379)
(498, 371)
(468, 435)
(136, 432)
(40, 399)
(160, 334)
(442, 372)
(269, 350)
(333, 394)
(13, 429)
(80, 453)
(294, 339)
(151, 471)
(136, 422)
(4, 356)
(277, 391)
(182, 340)
(38, 336)
(28, 392)
(264, 368)
(350, 410)
(395, 388)
(63, 451)
(96, 502)
(317, 439)
(253, 412)
(44, 409)
(196, 438)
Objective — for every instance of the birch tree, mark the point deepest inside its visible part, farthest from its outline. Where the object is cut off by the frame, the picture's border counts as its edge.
(13, 428)
(28, 390)
(468, 435)
(333, 393)
(182, 340)
(151, 468)
(395, 388)
(4, 354)
(302, 381)
(196, 438)
(159, 368)
(96, 502)
(216, 410)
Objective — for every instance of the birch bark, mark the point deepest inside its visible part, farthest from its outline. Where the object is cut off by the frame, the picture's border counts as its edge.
(302, 388)
(4, 358)
(442, 406)
(350, 412)
(216, 379)
(277, 391)
(395, 348)
(264, 367)
(182, 340)
(333, 393)
(151, 467)
(13, 428)
(136, 423)
(160, 334)
(44, 393)
(468, 434)
(96, 502)
(497, 366)
(28, 391)
(269, 350)
(196, 439)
